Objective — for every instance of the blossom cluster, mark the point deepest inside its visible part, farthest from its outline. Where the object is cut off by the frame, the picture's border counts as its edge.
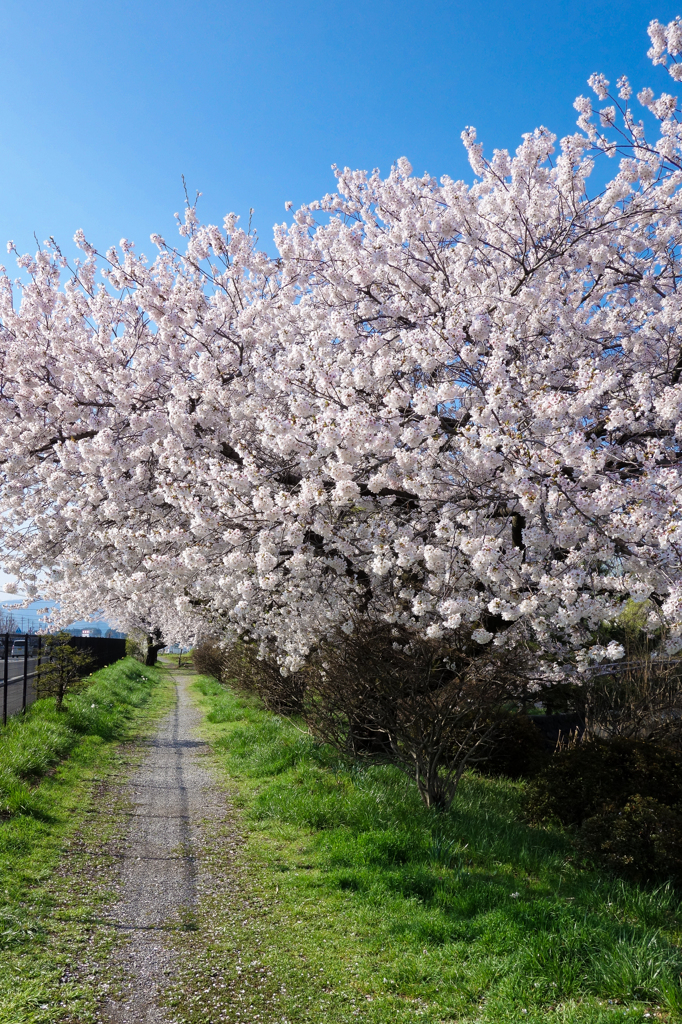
(452, 406)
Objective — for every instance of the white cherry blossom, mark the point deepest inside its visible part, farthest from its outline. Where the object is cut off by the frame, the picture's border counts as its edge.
(452, 406)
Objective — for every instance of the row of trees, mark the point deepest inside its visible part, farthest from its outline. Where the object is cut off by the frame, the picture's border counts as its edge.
(385, 694)
(450, 409)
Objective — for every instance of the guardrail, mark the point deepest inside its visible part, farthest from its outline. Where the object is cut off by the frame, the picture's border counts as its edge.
(22, 654)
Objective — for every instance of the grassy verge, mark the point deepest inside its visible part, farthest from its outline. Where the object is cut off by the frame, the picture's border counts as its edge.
(356, 903)
(53, 865)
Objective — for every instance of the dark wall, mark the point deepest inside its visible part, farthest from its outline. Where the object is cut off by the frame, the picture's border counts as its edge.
(104, 650)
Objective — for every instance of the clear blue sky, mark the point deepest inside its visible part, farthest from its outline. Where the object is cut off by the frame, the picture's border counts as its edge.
(105, 105)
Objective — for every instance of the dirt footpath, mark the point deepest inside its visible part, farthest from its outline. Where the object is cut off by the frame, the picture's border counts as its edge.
(172, 796)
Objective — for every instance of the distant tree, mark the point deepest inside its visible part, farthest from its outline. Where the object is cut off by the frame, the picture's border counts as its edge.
(145, 646)
(62, 667)
(8, 624)
(155, 643)
(136, 646)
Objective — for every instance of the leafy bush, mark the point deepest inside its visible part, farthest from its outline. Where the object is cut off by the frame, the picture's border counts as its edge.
(136, 646)
(579, 781)
(624, 797)
(641, 841)
(62, 668)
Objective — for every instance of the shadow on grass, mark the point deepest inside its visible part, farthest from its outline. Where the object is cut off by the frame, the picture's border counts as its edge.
(31, 745)
(501, 902)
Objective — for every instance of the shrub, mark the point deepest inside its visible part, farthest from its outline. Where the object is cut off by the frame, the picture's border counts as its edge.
(431, 708)
(251, 672)
(254, 673)
(624, 797)
(208, 658)
(62, 668)
(136, 646)
(145, 647)
(642, 840)
(518, 751)
(579, 781)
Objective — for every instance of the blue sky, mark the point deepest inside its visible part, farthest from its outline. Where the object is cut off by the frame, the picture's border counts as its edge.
(104, 106)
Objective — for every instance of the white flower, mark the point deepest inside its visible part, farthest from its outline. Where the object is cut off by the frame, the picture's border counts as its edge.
(615, 651)
(375, 423)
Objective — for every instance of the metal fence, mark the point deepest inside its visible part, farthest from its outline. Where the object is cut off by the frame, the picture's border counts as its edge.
(22, 654)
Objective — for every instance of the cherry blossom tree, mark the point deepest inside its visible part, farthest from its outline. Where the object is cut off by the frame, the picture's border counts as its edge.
(448, 406)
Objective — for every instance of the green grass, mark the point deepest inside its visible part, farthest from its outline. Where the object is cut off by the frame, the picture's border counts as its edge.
(355, 902)
(31, 744)
(53, 871)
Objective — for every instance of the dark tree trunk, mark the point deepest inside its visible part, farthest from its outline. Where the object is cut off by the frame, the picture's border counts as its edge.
(153, 653)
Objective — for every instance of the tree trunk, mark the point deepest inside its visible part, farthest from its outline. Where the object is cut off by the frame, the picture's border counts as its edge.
(153, 654)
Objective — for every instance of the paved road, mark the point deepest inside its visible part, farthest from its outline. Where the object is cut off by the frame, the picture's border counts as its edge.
(15, 684)
(170, 795)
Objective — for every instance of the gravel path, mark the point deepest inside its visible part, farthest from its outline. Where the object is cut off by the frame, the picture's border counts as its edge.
(172, 795)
